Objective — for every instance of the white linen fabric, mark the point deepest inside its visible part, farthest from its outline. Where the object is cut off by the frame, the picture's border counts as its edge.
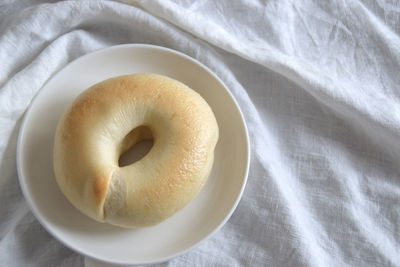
(318, 83)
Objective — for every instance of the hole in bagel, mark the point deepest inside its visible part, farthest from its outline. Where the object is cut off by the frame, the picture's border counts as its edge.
(136, 144)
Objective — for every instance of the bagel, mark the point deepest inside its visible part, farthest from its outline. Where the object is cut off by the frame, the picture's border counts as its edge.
(108, 119)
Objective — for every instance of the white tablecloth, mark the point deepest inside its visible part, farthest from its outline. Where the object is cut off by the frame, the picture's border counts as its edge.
(319, 85)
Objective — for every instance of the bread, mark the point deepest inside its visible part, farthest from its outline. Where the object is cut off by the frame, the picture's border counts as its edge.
(110, 117)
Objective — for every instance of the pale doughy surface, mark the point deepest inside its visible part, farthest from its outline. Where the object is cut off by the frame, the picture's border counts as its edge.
(106, 120)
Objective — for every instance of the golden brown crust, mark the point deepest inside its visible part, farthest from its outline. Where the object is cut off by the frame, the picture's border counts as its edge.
(98, 128)
(100, 186)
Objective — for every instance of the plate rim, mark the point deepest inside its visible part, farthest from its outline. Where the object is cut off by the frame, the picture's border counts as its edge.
(38, 215)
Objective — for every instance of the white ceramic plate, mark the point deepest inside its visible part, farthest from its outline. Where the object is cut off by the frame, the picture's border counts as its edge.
(197, 221)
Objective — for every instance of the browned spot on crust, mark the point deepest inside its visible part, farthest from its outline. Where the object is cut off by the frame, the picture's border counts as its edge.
(100, 186)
